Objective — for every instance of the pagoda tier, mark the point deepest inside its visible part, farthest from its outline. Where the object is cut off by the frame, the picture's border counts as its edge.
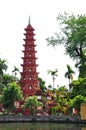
(29, 82)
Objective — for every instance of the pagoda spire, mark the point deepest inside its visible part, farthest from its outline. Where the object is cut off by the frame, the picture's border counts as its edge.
(29, 21)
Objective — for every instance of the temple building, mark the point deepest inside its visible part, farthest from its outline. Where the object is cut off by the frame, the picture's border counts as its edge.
(30, 84)
(29, 74)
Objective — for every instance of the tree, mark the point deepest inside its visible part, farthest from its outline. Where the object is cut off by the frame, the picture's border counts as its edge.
(15, 70)
(8, 79)
(61, 97)
(5, 80)
(78, 87)
(69, 73)
(3, 66)
(32, 103)
(53, 74)
(10, 94)
(42, 84)
(77, 102)
(73, 37)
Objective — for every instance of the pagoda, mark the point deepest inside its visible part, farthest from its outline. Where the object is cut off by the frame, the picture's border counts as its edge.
(29, 82)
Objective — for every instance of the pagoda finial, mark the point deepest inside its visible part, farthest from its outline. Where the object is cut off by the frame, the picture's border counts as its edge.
(29, 21)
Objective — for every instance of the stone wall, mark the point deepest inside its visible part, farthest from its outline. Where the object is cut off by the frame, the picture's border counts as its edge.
(40, 118)
(83, 111)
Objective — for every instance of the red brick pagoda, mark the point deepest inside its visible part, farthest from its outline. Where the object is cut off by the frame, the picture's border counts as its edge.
(29, 82)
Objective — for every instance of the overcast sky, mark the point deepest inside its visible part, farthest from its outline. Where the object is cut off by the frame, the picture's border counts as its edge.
(14, 15)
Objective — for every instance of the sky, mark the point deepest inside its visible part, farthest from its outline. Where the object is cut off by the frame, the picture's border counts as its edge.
(14, 16)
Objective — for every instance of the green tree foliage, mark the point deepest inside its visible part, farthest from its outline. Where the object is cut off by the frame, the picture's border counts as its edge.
(10, 94)
(5, 79)
(78, 87)
(62, 98)
(73, 37)
(42, 84)
(69, 73)
(8, 79)
(3, 66)
(77, 102)
(32, 103)
(15, 70)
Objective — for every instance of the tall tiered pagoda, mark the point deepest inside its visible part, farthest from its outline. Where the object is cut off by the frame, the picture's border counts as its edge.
(29, 82)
